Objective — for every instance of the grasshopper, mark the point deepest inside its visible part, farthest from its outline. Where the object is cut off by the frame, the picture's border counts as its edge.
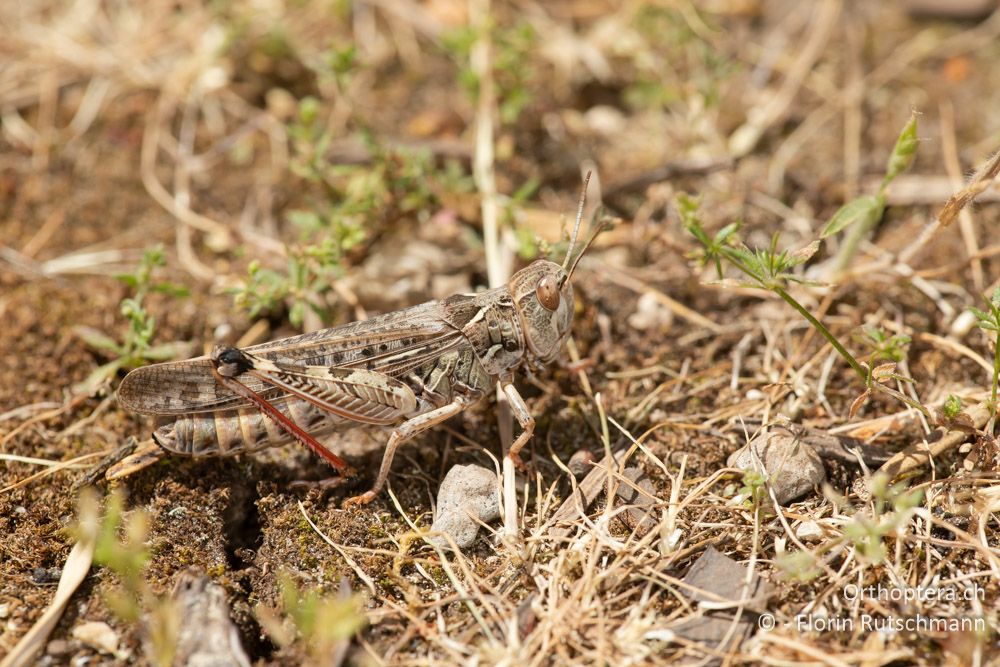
(411, 369)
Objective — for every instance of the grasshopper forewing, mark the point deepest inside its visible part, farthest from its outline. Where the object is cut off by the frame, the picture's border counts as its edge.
(411, 369)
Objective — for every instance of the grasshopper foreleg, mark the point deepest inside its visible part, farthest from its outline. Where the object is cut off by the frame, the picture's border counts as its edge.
(523, 417)
(401, 434)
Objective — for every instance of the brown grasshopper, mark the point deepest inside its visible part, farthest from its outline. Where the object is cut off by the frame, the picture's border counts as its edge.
(412, 368)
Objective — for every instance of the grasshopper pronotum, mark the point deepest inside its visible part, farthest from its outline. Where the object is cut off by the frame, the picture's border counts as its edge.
(412, 368)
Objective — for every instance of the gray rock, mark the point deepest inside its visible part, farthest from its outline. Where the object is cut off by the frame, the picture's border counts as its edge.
(791, 464)
(467, 493)
(581, 463)
(716, 578)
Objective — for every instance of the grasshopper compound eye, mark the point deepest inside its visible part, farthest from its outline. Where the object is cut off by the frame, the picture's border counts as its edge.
(548, 293)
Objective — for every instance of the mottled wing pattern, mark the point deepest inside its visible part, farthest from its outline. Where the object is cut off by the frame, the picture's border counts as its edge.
(393, 344)
(181, 387)
(353, 393)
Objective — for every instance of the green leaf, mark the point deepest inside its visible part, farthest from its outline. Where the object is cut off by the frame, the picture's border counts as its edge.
(168, 351)
(687, 206)
(986, 320)
(171, 289)
(297, 313)
(309, 109)
(723, 235)
(305, 220)
(903, 152)
(863, 209)
(526, 191)
(97, 378)
(97, 339)
(995, 298)
(127, 278)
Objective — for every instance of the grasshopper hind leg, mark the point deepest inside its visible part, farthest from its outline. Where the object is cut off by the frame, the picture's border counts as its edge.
(401, 434)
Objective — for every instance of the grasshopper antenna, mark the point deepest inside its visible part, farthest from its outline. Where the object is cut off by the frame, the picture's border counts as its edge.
(579, 217)
(593, 237)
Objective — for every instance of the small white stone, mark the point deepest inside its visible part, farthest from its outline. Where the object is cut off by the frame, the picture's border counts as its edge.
(222, 332)
(650, 314)
(98, 635)
(809, 531)
(604, 120)
(963, 324)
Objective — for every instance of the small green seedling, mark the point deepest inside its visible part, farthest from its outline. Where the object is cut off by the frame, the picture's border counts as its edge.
(136, 348)
(989, 320)
(514, 72)
(322, 621)
(754, 488)
(893, 505)
(797, 565)
(772, 269)
(120, 546)
(766, 269)
(883, 346)
(885, 352)
(952, 407)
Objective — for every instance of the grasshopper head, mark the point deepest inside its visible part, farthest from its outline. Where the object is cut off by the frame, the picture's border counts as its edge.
(544, 299)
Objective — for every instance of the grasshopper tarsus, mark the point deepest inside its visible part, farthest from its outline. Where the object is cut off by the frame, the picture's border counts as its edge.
(518, 462)
(356, 501)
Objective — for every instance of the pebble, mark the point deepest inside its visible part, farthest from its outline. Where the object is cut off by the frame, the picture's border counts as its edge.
(792, 464)
(581, 462)
(58, 647)
(650, 314)
(809, 531)
(43, 575)
(466, 490)
(98, 635)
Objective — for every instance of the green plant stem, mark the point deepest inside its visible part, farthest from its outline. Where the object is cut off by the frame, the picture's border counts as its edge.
(996, 372)
(787, 298)
(848, 357)
(900, 396)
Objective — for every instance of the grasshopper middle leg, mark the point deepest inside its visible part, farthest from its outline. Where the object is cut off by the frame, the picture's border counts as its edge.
(401, 434)
(523, 417)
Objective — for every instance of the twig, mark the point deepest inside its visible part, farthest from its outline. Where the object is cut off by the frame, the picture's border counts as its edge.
(923, 452)
(977, 185)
